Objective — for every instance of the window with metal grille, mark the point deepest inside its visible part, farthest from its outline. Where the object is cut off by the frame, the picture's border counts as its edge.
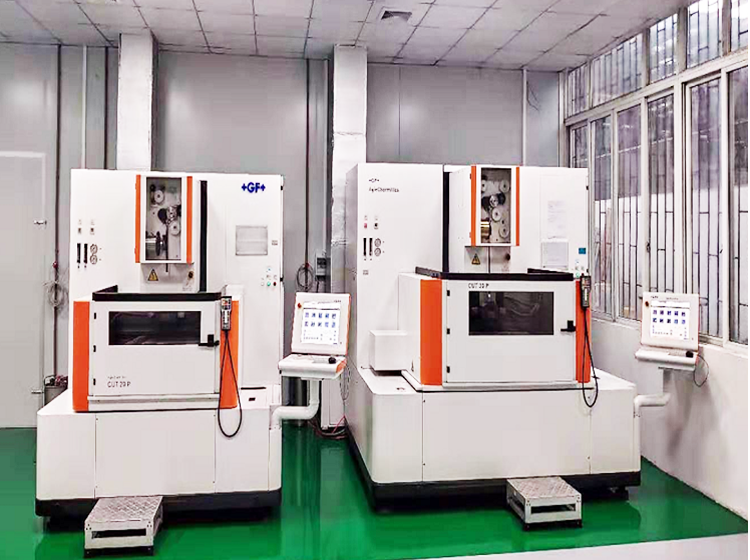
(602, 79)
(706, 241)
(602, 214)
(661, 253)
(627, 57)
(579, 146)
(704, 31)
(663, 36)
(738, 233)
(577, 90)
(630, 239)
(739, 24)
(617, 72)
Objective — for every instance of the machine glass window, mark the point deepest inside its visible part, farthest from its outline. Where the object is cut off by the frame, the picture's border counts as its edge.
(496, 204)
(154, 327)
(663, 36)
(630, 238)
(511, 313)
(579, 146)
(163, 219)
(738, 205)
(739, 24)
(577, 90)
(661, 252)
(706, 240)
(704, 31)
(602, 217)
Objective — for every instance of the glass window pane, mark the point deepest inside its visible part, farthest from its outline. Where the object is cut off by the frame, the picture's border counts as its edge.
(663, 36)
(617, 72)
(602, 217)
(704, 31)
(630, 239)
(738, 232)
(661, 191)
(511, 313)
(579, 147)
(577, 90)
(705, 139)
(739, 24)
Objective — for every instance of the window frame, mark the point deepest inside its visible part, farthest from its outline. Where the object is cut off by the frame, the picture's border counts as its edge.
(678, 85)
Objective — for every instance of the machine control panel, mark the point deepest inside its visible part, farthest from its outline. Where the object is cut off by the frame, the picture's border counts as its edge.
(670, 320)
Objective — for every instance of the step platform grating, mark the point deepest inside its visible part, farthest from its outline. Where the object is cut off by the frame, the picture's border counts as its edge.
(125, 522)
(544, 500)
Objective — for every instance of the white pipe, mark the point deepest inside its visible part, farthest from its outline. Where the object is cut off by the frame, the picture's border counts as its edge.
(650, 400)
(84, 91)
(299, 412)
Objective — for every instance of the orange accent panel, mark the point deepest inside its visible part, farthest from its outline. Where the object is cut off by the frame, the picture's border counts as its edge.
(341, 366)
(518, 206)
(473, 231)
(582, 351)
(431, 331)
(228, 397)
(189, 252)
(137, 218)
(81, 355)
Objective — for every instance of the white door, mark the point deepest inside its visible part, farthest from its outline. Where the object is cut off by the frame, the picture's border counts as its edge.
(22, 301)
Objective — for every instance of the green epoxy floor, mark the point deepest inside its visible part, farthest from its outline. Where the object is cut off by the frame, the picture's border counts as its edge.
(325, 515)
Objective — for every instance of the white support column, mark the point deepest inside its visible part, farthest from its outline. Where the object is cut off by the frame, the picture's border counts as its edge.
(349, 144)
(135, 101)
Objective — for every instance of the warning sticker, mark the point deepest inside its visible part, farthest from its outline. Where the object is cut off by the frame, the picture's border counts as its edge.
(475, 260)
(153, 277)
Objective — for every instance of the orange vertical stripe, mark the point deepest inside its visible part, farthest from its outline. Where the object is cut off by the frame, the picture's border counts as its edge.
(518, 206)
(583, 372)
(431, 331)
(189, 220)
(137, 218)
(81, 356)
(473, 231)
(228, 397)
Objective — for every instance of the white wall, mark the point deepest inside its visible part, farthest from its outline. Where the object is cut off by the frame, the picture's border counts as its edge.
(427, 114)
(701, 436)
(243, 114)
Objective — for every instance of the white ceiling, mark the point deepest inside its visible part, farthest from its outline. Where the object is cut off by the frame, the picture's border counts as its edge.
(536, 34)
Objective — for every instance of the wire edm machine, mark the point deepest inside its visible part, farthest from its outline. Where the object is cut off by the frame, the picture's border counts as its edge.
(175, 338)
(470, 353)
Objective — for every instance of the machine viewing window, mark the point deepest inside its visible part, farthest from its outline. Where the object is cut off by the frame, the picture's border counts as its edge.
(154, 327)
(163, 219)
(511, 313)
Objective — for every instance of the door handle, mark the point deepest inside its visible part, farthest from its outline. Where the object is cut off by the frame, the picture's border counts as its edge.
(36, 392)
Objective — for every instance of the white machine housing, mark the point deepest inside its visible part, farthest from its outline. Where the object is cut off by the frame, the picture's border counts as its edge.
(145, 410)
(394, 220)
(542, 209)
(489, 332)
(497, 408)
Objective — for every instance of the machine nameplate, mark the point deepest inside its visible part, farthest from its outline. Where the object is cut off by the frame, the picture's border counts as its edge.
(478, 285)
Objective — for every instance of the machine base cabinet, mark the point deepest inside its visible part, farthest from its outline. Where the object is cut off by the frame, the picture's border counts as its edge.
(178, 454)
(433, 444)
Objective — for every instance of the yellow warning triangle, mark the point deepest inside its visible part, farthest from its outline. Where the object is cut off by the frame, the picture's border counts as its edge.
(153, 277)
(475, 260)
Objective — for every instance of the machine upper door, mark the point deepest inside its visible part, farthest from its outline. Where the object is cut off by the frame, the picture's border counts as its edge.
(513, 332)
(149, 348)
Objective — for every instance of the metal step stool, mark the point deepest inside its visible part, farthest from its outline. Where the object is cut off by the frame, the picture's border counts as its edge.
(544, 500)
(126, 522)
